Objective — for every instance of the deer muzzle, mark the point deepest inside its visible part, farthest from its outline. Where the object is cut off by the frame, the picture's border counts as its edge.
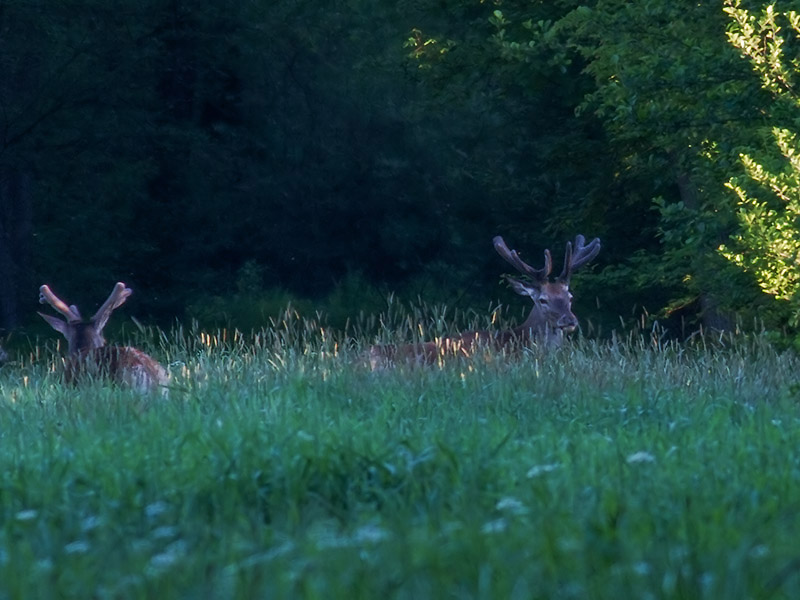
(568, 323)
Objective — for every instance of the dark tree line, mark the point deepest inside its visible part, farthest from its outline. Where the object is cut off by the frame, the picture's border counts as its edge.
(212, 155)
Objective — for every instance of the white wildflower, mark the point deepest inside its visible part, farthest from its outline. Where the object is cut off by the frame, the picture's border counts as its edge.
(537, 470)
(496, 526)
(171, 555)
(642, 568)
(155, 509)
(77, 547)
(641, 457)
(511, 505)
(370, 534)
(91, 522)
(165, 531)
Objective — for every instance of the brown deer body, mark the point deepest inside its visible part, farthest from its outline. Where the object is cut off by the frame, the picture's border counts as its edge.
(549, 320)
(88, 355)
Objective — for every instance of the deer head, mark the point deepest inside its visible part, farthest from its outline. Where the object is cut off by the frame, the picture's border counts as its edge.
(81, 335)
(87, 347)
(551, 316)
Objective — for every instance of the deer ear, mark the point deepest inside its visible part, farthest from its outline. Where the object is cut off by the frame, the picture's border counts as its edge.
(523, 289)
(55, 323)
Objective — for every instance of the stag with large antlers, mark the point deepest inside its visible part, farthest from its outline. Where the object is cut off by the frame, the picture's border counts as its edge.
(549, 320)
(88, 353)
(551, 316)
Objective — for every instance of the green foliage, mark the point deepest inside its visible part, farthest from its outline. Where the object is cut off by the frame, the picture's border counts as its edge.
(280, 467)
(354, 149)
(672, 95)
(767, 242)
(174, 144)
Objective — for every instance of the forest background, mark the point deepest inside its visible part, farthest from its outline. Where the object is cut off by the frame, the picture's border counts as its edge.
(225, 158)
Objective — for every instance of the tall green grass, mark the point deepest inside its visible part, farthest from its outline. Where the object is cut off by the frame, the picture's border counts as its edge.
(282, 467)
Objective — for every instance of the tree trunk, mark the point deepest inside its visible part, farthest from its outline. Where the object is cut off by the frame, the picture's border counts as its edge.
(16, 225)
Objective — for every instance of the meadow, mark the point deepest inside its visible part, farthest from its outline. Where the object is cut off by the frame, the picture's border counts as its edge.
(281, 466)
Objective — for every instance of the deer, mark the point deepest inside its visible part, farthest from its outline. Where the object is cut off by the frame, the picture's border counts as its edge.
(548, 323)
(88, 355)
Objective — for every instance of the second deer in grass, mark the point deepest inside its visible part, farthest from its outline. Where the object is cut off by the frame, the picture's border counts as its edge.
(549, 320)
(88, 354)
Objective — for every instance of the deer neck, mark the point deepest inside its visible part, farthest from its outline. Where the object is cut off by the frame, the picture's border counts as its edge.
(83, 338)
(537, 327)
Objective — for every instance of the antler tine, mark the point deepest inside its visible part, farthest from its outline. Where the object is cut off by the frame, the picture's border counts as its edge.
(583, 253)
(117, 298)
(46, 296)
(566, 271)
(512, 257)
(578, 257)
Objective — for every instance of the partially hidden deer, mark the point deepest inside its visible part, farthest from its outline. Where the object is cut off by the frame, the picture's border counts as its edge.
(549, 320)
(88, 355)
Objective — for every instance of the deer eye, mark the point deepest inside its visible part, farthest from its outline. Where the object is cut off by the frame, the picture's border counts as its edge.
(543, 301)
